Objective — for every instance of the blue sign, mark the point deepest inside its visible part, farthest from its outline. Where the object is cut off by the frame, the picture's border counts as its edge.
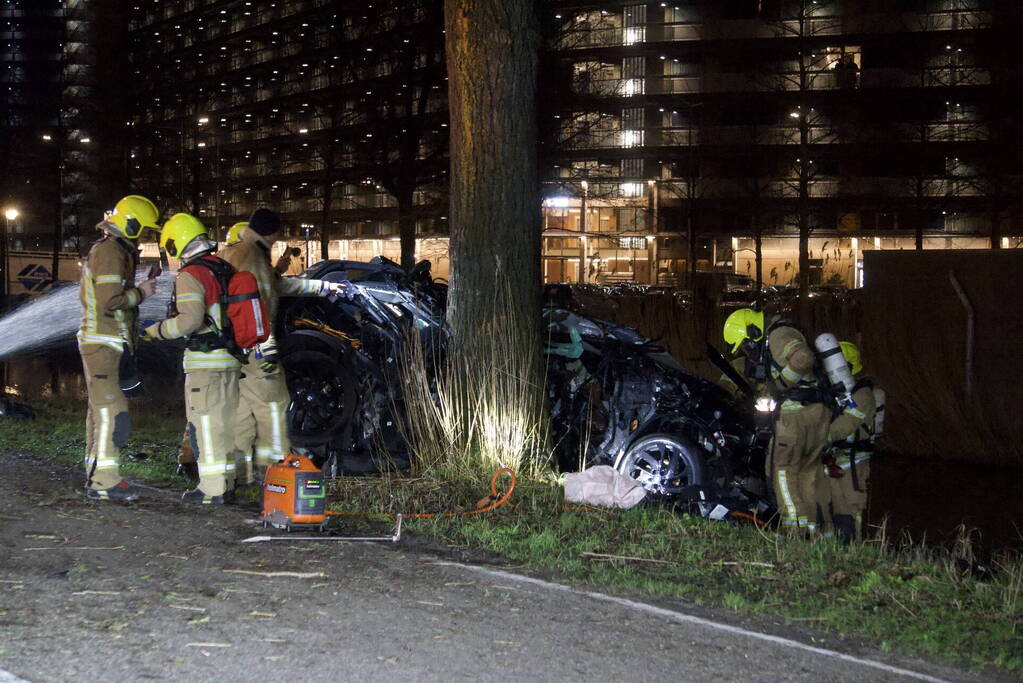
(35, 277)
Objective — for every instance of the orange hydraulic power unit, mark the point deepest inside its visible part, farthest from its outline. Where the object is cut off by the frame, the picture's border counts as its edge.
(294, 495)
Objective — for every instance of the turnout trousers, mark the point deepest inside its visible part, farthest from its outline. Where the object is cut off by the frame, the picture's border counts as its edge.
(211, 399)
(107, 422)
(260, 420)
(849, 492)
(794, 464)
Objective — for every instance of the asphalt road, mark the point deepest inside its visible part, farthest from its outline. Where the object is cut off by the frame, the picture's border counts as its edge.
(99, 591)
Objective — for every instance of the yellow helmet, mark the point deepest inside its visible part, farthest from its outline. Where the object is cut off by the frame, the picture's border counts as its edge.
(234, 233)
(179, 230)
(852, 356)
(742, 324)
(132, 215)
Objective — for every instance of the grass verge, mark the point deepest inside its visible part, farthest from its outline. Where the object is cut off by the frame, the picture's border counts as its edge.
(893, 595)
(59, 432)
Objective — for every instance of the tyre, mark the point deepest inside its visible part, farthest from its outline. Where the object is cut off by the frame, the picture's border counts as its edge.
(663, 464)
(323, 395)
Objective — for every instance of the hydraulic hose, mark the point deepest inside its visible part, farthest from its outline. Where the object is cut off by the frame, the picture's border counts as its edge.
(750, 516)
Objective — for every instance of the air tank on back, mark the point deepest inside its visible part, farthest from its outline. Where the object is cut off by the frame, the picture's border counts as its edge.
(835, 365)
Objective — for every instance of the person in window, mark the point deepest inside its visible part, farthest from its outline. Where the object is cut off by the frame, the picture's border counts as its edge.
(847, 72)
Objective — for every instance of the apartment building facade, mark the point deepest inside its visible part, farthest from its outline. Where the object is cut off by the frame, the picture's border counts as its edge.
(692, 131)
(677, 135)
(334, 113)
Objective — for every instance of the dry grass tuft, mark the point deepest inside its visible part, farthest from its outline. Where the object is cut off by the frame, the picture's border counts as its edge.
(479, 408)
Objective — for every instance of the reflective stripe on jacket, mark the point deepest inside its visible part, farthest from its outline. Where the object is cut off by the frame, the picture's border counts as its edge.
(108, 294)
(193, 317)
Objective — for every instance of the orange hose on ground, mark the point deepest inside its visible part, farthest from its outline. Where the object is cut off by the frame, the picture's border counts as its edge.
(495, 501)
(752, 517)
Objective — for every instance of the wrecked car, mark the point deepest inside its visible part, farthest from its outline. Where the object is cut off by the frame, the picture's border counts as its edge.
(618, 399)
(615, 397)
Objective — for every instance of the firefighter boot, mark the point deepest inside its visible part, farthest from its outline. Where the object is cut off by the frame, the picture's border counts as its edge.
(123, 492)
(845, 528)
(197, 497)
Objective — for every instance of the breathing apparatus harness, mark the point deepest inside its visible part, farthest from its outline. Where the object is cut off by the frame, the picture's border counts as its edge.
(854, 444)
(222, 334)
(762, 368)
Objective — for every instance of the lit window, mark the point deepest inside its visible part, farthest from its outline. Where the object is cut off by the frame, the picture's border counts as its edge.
(632, 86)
(633, 35)
(631, 138)
(632, 189)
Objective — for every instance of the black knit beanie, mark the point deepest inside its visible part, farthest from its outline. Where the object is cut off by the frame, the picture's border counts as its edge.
(265, 222)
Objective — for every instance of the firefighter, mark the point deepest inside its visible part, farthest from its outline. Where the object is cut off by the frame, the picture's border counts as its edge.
(187, 466)
(259, 423)
(107, 337)
(211, 371)
(778, 356)
(851, 435)
(234, 233)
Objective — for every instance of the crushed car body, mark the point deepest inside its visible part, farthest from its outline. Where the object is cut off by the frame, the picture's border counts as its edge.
(615, 397)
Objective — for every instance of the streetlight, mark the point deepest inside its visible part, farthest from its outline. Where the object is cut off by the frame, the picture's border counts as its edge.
(11, 214)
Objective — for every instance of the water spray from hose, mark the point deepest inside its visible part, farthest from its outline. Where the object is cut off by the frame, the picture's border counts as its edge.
(54, 319)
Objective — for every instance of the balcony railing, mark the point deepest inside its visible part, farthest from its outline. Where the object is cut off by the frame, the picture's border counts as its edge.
(822, 188)
(788, 81)
(948, 20)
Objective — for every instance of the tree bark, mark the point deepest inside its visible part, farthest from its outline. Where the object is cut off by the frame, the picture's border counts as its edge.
(804, 174)
(758, 250)
(325, 215)
(492, 56)
(407, 228)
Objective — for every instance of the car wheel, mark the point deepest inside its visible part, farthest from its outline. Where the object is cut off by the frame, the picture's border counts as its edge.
(663, 464)
(323, 395)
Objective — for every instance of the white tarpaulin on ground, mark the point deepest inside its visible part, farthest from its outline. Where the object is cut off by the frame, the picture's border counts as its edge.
(603, 486)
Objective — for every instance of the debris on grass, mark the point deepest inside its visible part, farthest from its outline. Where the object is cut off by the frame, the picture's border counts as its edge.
(291, 575)
(209, 645)
(81, 547)
(606, 557)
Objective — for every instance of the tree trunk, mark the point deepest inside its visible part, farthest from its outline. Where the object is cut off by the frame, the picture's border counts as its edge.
(758, 251)
(691, 239)
(996, 227)
(918, 214)
(58, 234)
(407, 228)
(326, 212)
(492, 56)
(804, 175)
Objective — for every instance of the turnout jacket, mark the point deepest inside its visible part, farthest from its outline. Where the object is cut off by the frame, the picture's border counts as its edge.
(792, 357)
(852, 430)
(252, 253)
(108, 294)
(194, 317)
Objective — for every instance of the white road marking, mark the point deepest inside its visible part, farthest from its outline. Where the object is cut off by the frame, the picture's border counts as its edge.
(699, 621)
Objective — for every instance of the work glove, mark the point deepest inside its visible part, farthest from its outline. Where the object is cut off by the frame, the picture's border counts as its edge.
(337, 289)
(145, 325)
(831, 466)
(147, 288)
(267, 355)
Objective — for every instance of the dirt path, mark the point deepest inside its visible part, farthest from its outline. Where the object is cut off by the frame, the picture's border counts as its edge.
(161, 603)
